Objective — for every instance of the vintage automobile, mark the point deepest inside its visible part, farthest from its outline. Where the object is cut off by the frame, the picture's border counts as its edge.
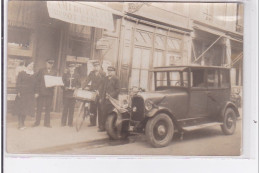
(185, 98)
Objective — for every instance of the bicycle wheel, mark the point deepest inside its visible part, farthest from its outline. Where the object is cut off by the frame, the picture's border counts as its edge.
(80, 116)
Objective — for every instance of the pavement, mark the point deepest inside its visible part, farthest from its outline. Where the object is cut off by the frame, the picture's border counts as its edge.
(33, 140)
(40, 140)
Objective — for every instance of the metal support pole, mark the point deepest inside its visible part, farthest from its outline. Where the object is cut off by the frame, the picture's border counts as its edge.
(207, 49)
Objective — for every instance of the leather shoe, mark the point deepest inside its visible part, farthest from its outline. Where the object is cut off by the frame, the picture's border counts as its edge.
(91, 125)
(49, 126)
(35, 125)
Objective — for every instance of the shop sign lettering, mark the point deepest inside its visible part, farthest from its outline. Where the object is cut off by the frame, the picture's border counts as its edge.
(80, 14)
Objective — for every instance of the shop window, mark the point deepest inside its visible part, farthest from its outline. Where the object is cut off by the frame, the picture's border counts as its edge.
(80, 31)
(161, 79)
(197, 78)
(143, 38)
(160, 42)
(158, 58)
(212, 78)
(175, 78)
(140, 68)
(225, 78)
(173, 59)
(174, 44)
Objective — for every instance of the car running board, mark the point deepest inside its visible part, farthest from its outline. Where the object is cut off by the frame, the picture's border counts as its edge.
(201, 126)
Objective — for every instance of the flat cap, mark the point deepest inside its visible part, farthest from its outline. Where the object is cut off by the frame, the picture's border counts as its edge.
(50, 60)
(96, 63)
(72, 65)
(111, 68)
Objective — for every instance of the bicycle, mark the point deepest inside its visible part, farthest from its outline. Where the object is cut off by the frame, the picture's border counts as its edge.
(85, 97)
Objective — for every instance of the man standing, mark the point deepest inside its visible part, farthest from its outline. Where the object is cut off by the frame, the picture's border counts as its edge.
(43, 94)
(71, 81)
(112, 88)
(96, 77)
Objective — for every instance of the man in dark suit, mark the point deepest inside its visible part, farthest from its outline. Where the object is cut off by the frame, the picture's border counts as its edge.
(112, 88)
(96, 77)
(43, 94)
(71, 81)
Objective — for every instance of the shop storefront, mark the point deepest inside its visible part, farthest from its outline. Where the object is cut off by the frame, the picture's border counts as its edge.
(41, 30)
(147, 45)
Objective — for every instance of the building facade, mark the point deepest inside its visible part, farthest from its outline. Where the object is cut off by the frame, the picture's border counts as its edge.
(144, 35)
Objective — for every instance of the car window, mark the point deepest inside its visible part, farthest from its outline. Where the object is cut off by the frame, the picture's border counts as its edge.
(197, 78)
(224, 78)
(161, 79)
(212, 78)
(175, 79)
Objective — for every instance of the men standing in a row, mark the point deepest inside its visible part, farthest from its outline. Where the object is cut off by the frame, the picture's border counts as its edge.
(96, 77)
(43, 94)
(112, 88)
(71, 81)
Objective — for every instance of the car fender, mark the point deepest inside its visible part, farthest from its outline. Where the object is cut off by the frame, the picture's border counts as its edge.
(156, 110)
(229, 105)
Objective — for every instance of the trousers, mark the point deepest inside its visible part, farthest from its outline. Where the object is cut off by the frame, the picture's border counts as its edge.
(68, 111)
(95, 110)
(43, 101)
(21, 119)
(107, 108)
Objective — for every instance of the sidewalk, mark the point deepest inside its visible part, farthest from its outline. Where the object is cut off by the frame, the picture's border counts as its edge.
(39, 138)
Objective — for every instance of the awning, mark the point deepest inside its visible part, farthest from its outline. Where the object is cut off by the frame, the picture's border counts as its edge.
(82, 13)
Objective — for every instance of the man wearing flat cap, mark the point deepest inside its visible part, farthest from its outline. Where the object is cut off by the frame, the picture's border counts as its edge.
(112, 88)
(96, 77)
(71, 81)
(43, 94)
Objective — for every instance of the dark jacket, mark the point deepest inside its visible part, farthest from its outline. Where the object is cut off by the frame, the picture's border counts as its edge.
(25, 87)
(25, 83)
(111, 87)
(72, 81)
(40, 83)
(97, 81)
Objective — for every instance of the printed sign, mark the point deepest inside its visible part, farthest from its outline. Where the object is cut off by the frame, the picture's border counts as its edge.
(103, 44)
(81, 14)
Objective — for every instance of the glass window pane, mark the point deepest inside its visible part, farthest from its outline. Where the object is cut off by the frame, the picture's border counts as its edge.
(161, 79)
(145, 59)
(212, 78)
(197, 78)
(160, 42)
(225, 78)
(158, 59)
(175, 79)
(173, 44)
(144, 79)
(136, 58)
(135, 78)
(173, 59)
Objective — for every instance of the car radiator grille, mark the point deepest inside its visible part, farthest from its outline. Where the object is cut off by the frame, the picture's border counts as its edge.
(137, 109)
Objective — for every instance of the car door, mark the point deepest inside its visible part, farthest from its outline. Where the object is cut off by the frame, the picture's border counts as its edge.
(197, 94)
(218, 90)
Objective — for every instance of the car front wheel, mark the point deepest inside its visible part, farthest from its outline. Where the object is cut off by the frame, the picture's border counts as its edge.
(159, 130)
(112, 130)
(229, 122)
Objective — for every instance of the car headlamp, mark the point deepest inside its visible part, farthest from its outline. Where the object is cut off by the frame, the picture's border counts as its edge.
(148, 105)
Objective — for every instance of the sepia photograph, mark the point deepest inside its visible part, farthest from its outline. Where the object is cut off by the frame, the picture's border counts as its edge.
(124, 78)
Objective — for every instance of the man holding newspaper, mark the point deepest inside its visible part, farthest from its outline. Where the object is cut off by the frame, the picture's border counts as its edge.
(44, 92)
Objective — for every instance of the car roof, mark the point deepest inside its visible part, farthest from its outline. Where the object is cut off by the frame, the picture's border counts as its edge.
(182, 68)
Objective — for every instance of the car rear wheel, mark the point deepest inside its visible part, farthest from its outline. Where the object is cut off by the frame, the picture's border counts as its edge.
(159, 130)
(229, 122)
(112, 130)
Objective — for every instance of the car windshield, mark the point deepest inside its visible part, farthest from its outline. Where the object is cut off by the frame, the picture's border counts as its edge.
(171, 79)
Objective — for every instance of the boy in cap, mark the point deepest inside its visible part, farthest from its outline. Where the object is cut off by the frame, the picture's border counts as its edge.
(96, 77)
(112, 88)
(44, 95)
(71, 81)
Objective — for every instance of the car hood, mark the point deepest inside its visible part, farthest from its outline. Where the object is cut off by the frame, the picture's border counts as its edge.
(155, 95)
